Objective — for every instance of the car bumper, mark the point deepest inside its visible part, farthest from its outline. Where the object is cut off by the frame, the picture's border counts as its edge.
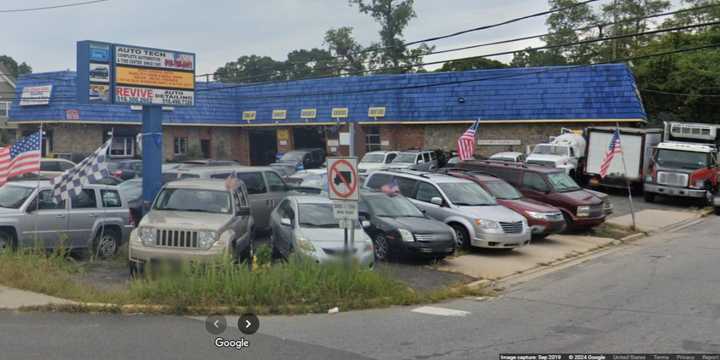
(430, 248)
(580, 222)
(545, 228)
(141, 254)
(362, 257)
(674, 191)
(501, 240)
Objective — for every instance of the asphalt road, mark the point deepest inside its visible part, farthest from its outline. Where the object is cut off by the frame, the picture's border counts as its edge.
(658, 295)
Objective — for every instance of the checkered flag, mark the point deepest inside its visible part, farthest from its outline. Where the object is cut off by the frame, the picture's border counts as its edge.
(89, 171)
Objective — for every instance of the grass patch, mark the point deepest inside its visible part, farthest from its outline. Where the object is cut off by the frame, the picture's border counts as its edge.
(612, 231)
(297, 286)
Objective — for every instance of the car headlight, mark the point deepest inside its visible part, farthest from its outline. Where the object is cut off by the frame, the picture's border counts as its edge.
(539, 215)
(147, 235)
(648, 179)
(206, 238)
(484, 224)
(305, 245)
(700, 184)
(406, 235)
(583, 211)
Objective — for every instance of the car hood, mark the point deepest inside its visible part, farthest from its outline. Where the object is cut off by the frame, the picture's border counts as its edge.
(330, 237)
(185, 220)
(522, 205)
(370, 166)
(400, 165)
(493, 212)
(546, 157)
(417, 224)
(582, 197)
(600, 195)
(9, 212)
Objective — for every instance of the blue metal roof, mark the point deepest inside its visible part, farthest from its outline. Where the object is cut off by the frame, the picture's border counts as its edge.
(599, 92)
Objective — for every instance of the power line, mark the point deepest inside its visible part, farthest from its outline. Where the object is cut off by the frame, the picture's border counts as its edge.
(52, 7)
(679, 93)
(645, 33)
(458, 33)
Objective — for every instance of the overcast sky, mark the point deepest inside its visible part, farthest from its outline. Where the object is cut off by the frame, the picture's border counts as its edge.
(219, 31)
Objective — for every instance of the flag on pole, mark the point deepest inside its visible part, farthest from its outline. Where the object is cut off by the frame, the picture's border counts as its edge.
(392, 188)
(89, 171)
(21, 158)
(613, 148)
(466, 142)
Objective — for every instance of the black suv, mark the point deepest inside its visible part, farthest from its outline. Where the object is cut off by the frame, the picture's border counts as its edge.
(398, 228)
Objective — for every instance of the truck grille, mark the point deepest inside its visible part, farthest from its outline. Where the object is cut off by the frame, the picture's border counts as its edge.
(672, 179)
(512, 227)
(545, 163)
(432, 237)
(176, 238)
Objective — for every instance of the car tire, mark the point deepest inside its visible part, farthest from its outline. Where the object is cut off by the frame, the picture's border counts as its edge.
(568, 222)
(649, 197)
(381, 248)
(137, 270)
(462, 235)
(106, 243)
(8, 241)
(708, 200)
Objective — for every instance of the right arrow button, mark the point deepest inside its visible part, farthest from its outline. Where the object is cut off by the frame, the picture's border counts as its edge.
(248, 324)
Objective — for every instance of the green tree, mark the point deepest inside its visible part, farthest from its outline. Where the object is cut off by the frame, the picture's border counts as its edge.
(308, 63)
(251, 68)
(528, 58)
(393, 17)
(561, 30)
(695, 16)
(13, 67)
(621, 12)
(349, 55)
(472, 64)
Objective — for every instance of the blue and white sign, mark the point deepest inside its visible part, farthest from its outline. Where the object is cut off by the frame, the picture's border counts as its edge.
(99, 52)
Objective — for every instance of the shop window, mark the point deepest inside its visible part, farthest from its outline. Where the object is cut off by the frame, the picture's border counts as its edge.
(205, 148)
(372, 138)
(181, 145)
(122, 146)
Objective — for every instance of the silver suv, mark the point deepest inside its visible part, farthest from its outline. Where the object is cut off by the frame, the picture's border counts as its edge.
(415, 160)
(265, 187)
(98, 219)
(193, 220)
(473, 213)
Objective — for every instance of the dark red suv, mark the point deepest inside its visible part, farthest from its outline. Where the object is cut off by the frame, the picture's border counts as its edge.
(582, 208)
(542, 218)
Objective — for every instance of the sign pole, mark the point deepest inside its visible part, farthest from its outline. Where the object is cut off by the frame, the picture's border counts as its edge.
(627, 181)
(152, 153)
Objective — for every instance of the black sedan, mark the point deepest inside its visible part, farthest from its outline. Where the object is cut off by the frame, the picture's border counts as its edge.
(398, 228)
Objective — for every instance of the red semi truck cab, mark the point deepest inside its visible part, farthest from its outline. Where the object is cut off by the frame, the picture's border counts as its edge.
(685, 164)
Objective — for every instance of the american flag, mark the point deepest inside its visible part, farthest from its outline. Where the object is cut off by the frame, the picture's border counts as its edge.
(21, 158)
(613, 148)
(466, 142)
(392, 188)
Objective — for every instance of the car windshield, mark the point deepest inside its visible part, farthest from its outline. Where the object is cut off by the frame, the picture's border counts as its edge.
(131, 189)
(292, 156)
(317, 216)
(503, 190)
(207, 201)
(466, 194)
(561, 182)
(688, 160)
(13, 197)
(546, 149)
(405, 158)
(373, 158)
(392, 206)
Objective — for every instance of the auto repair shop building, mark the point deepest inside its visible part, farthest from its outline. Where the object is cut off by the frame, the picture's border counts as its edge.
(252, 122)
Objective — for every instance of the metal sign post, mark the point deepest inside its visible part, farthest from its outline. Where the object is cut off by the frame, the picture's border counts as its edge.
(627, 181)
(343, 189)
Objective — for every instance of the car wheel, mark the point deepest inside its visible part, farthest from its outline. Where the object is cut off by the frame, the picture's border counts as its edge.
(649, 197)
(381, 247)
(106, 244)
(462, 236)
(717, 211)
(7, 241)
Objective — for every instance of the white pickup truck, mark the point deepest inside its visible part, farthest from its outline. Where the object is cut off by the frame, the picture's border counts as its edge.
(563, 152)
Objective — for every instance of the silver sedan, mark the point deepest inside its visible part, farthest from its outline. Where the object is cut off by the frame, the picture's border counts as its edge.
(305, 224)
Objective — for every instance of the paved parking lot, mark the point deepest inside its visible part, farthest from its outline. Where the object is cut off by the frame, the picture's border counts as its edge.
(621, 203)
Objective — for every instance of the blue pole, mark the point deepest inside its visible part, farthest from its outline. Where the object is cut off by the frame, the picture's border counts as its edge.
(152, 153)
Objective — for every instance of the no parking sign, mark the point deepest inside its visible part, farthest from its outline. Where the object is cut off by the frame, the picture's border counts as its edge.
(343, 179)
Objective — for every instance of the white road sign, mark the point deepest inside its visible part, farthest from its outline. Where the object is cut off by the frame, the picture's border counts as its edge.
(343, 209)
(343, 179)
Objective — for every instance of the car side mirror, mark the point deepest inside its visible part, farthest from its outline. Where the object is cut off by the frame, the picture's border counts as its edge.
(436, 200)
(286, 222)
(365, 224)
(243, 211)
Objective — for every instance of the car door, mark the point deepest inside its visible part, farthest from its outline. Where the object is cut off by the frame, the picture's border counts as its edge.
(45, 223)
(283, 234)
(277, 189)
(261, 203)
(82, 216)
(424, 193)
(534, 186)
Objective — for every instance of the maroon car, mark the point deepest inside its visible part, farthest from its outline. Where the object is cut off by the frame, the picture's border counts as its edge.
(542, 218)
(581, 208)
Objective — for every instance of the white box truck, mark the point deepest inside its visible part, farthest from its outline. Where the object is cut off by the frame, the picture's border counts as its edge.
(637, 150)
